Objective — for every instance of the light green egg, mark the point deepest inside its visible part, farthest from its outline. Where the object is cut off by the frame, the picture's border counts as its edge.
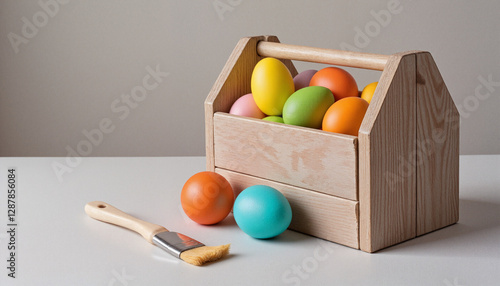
(273, 118)
(307, 106)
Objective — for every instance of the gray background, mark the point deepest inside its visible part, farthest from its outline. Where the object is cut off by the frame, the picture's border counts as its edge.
(66, 77)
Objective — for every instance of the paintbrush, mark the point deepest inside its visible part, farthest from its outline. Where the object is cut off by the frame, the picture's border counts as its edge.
(179, 245)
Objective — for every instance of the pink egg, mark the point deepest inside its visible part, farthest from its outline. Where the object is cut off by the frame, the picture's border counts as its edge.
(302, 79)
(246, 106)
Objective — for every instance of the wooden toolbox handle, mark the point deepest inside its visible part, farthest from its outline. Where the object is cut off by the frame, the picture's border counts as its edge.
(324, 56)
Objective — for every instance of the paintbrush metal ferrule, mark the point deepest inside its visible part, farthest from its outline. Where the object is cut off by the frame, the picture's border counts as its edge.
(175, 243)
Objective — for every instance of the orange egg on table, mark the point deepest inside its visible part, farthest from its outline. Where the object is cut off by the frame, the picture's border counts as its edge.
(340, 82)
(345, 116)
(207, 198)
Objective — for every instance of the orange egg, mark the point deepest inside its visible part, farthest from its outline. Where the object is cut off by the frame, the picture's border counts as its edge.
(207, 198)
(340, 82)
(345, 116)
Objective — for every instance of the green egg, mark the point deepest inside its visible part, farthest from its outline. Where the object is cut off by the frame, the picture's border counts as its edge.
(307, 106)
(274, 118)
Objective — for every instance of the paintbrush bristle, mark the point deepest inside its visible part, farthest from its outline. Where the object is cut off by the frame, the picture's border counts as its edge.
(201, 255)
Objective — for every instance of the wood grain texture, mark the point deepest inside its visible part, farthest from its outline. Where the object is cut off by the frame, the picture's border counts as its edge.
(298, 156)
(316, 214)
(387, 177)
(438, 123)
(233, 82)
(325, 56)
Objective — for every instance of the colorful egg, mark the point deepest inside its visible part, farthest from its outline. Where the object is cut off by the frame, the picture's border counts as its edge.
(307, 106)
(368, 91)
(303, 78)
(245, 106)
(340, 82)
(207, 198)
(274, 118)
(345, 116)
(271, 85)
(262, 212)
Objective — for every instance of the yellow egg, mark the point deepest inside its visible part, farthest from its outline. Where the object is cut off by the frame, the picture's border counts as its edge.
(368, 91)
(271, 85)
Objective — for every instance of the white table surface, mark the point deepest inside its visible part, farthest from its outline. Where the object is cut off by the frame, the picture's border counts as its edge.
(57, 244)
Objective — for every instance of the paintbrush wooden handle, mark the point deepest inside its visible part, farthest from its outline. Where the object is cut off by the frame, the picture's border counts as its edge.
(107, 213)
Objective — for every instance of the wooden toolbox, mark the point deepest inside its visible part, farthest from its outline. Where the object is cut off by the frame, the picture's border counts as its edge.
(396, 180)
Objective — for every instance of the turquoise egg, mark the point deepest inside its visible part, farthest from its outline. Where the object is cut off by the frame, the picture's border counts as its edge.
(262, 212)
